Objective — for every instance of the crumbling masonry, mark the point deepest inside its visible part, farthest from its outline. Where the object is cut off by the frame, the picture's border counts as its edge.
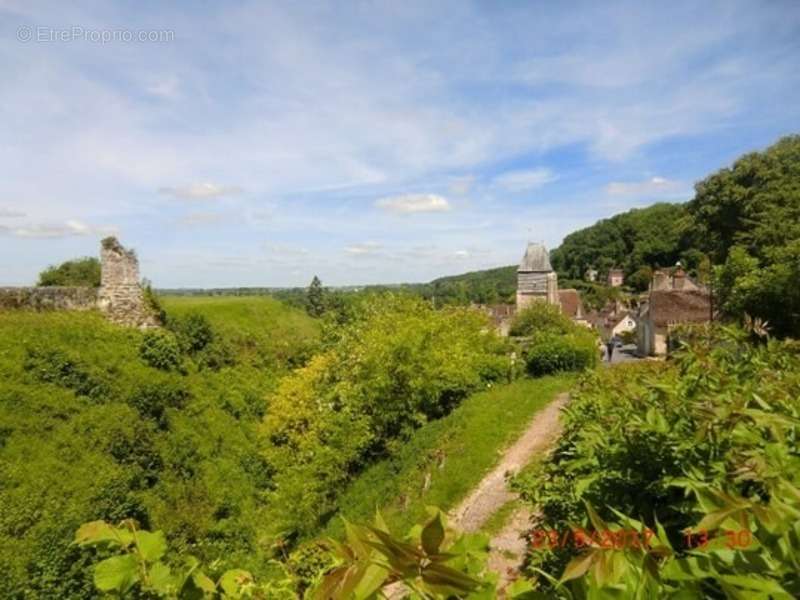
(120, 295)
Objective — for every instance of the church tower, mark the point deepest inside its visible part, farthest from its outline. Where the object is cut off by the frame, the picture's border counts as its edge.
(536, 280)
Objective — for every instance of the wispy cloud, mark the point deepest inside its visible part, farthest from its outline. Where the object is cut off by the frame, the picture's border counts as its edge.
(655, 186)
(71, 228)
(414, 203)
(363, 249)
(201, 191)
(523, 180)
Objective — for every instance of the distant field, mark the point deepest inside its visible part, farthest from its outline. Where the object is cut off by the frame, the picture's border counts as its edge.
(456, 451)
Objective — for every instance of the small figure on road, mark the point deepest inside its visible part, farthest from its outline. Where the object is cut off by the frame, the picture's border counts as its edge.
(609, 349)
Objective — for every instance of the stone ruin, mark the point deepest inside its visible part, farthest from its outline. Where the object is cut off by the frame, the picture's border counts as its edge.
(120, 296)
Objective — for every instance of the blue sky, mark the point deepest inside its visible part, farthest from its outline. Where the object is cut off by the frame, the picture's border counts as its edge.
(367, 142)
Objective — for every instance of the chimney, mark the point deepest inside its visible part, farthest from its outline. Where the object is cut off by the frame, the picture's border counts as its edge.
(660, 280)
(678, 278)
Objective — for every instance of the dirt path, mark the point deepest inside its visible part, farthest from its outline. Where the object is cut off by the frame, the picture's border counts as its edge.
(507, 547)
(492, 493)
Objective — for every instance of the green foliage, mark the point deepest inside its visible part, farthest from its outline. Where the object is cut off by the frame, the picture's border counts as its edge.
(398, 365)
(315, 298)
(153, 302)
(431, 562)
(258, 331)
(555, 343)
(140, 564)
(152, 399)
(641, 237)
(193, 331)
(89, 431)
(160, 350)
(78, 272)
(59, 368)
(747, 218)
(446, 458)
(541, 318)
(708, 443)
(550, 353)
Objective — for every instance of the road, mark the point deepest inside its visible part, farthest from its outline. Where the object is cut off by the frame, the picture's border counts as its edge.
(625, 354)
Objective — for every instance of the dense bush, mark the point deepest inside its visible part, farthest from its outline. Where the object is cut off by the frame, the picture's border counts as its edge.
(152, 399)
(160, 350)
(707, 444)
(56, 366)
(78, 272)
(193, 331)
(90, 431)
(397, 365)
(554, 342)
(549, 353)
(541, 318)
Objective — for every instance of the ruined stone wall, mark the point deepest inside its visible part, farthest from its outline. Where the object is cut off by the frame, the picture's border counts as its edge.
(121, 296)
(48, 298)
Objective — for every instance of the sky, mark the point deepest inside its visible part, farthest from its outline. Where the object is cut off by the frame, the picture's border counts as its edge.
(261, 143)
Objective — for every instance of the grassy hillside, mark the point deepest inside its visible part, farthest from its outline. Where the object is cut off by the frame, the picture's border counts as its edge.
(259, 326)
(88, 430)
(446, 458)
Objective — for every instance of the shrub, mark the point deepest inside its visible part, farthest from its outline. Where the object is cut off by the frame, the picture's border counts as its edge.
(706, 443)
(57, 367)
(395, 365)
(152, 399)
(193, 331)
(550, 353)
(216, 355)
(78, 272)
(540, 317)
(159, 349)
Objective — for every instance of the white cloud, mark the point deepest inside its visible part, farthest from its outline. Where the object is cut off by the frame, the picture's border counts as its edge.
(71, 228)
(414, 203)
(655, 186)
(7, 213)
(522, 180)
(201, 191)
(363, 249)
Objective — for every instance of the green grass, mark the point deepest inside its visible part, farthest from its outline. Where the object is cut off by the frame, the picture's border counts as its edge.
(258, 325)
(452, 454)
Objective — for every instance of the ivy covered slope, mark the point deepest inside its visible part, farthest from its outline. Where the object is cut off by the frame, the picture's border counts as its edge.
(91, 429)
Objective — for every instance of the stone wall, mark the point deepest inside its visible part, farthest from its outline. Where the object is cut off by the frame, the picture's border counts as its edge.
(48, 298)
(121, 296)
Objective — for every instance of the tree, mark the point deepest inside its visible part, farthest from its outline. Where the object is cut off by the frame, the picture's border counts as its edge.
(77, 272)
(315, 298)
(747, 218)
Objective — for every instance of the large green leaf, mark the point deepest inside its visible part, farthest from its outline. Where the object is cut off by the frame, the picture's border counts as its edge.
(433, 534)
(151, 545)
(116, 574)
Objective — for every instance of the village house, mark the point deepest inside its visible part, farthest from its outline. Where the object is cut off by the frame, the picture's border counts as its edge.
(616, 277)
(674, 299)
